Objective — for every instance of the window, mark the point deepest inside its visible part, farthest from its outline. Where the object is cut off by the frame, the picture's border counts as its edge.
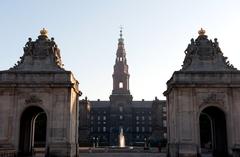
(165, 135)
(91, 129)
(120, 108)
(120, 59)
(120, 117)
(98, 129)
(104, 117)
(149, 118)
(98, 118)
(137, 118)
(164, 123)
(164, 115)
(143, 129)
(120, 84)
(164, 109)
(150, 129)
(92, 118)
(143, 118)
(137, 129)
(104, 129)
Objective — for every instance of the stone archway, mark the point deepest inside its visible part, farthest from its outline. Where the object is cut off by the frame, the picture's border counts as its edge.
(41, 81)
(40, 130)
(33, 126)
(213, 134)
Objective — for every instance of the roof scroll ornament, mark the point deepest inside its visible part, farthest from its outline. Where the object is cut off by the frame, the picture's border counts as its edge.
(42, 54)
(203, 54)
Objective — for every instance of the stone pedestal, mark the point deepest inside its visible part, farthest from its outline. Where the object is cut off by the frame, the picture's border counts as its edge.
(188, 150)
(182, 150)
(236, 151)
(63, 150)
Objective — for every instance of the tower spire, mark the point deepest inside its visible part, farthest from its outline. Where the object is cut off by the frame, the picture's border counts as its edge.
(120, 40)
(120, 73)
(121, 28)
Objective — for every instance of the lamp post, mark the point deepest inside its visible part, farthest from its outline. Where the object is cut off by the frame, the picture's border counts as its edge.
(93, 141)
(97, 141)
(145, 143)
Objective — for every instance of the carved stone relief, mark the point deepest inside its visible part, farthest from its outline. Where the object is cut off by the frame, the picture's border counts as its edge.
(33, 99)
(212, 98)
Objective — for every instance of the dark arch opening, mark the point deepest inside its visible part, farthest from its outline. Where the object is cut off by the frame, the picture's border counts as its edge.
(213, 135)
(33, 124)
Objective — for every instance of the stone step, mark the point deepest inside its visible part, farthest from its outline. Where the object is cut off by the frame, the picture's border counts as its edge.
(39, 152)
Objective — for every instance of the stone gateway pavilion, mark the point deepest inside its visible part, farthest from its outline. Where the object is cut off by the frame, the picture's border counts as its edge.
(37, 90)
(203, 103)
(40, 107)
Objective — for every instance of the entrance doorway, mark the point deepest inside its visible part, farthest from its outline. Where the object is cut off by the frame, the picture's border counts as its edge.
(33, 124)
(213, 136)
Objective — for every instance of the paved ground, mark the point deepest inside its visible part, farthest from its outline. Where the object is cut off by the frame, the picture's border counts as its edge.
(111, 152)
(206, 155)
(122, 155)
(120, 152)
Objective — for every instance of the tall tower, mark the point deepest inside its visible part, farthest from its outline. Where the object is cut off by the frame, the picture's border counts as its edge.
(120, 99)
(120, 74)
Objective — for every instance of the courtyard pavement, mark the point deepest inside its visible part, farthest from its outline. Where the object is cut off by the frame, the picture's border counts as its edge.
(120, 152)
(122, 155)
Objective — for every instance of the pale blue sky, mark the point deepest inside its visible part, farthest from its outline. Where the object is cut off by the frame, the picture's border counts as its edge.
(156, 33)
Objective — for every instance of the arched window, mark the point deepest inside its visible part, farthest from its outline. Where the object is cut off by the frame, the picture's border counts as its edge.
(120, 84)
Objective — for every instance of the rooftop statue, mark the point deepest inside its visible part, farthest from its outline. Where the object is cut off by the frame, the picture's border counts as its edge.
(42, 54)
(203, 54)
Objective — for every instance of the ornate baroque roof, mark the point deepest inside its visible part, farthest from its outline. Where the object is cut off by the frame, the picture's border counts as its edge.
(40, 55)
(203, 54)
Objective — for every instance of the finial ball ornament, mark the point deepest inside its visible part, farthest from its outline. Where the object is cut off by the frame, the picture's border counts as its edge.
(44, 32)
(201, 32)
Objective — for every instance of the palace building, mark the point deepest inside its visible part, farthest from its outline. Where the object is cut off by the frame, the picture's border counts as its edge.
(141, 121)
